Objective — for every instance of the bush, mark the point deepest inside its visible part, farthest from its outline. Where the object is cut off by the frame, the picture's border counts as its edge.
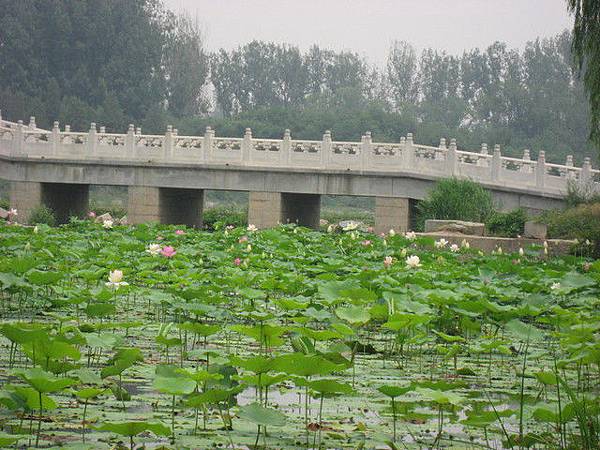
(509, 224)
(454, 199)
(578, 194)
(581, 222)
(115, 211)
(42, 214)
(220, 216)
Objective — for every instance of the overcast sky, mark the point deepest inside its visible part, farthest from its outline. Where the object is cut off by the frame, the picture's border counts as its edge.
(369, 26)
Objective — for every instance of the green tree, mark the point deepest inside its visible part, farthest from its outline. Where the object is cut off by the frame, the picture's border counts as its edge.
(586, 49)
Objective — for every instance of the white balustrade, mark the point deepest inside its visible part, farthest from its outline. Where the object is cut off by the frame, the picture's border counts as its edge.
(29, 141)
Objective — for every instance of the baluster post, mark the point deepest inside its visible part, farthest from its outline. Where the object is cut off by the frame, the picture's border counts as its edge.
(130, 142)
(286, 148)
(326, 149)
(540, 170)
(92, 140)
(247, 147)
(366, 150)
(207, 144)
(569, 174)
(439, 155)
(168, 143)
(19, 139)
(451, 159)
(483, 162)
(55, 137)
(525, 167)
(409, 152)
(586, 172)
(496, 163)
(32, 125)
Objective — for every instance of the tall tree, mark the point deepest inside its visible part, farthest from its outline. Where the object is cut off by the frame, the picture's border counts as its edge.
(586, 48)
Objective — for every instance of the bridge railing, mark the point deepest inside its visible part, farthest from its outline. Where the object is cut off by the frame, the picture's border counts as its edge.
(405, 156)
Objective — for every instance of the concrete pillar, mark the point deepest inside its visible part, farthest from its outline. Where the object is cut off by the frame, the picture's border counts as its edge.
(25, 196)
(165, 205)
(65, 200)
(304, 209)
(264, 209)
(267, 209)
(392, 213)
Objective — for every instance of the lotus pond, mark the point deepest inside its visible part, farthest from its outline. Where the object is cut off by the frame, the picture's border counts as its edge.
(150, 336)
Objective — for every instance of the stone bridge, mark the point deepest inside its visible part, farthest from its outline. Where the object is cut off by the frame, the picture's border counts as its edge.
(166, 175)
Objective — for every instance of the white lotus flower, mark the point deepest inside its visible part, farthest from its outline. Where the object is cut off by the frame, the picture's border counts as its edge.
(392, 232)
(330, 229)
(115, 278)
(545, 244)
(521, 251)
(413, 261)
(387, 261)
(454, 248)
(12, 212)
(465, 244)
(499, 251)
(555, 286)
(252, 227)
(107, 223)
(410, 235)
(154, 249)
(441, 243)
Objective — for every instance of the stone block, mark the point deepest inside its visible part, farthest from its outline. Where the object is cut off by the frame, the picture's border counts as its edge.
(455, 226)
(535, 230)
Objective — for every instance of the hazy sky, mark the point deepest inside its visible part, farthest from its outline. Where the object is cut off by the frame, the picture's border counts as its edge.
(369, 26)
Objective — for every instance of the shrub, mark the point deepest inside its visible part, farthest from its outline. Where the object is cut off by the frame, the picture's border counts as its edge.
(581, 222)
(115, 211)
(4, 203)
(220, 216)
(42, 214)
(455, 199)
(578, 194)
(509, 224)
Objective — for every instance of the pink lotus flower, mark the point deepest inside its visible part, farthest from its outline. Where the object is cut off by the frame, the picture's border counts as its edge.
(369, 229)
(237, 261)
(91, 214)
(168, 252)
(179, 232)
(366, 243)
(243, 239)
(382, 235)
(388, 261)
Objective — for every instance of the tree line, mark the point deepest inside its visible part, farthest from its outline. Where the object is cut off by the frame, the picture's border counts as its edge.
(134, 61)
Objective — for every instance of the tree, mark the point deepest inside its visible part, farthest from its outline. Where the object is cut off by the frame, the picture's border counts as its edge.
(586, 49)
(186, 68)
(401, 72)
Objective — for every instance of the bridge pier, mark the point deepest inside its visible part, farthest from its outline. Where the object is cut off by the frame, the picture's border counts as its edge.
(165, 205)
(64, 199)
(267, 209)
(392, 213)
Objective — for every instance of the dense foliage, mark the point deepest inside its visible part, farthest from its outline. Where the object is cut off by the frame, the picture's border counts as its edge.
(291, 338)
(133, 61)
(581, 222)
(586, 47)
(456, 199)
